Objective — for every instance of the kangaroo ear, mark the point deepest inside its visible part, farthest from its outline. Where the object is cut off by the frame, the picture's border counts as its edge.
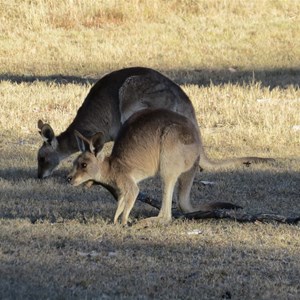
(97, 142)
(47, 133)
(82, 142)
(40, 124)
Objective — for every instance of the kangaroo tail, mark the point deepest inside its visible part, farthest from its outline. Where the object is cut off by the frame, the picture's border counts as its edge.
(206, 163)
(217, 205)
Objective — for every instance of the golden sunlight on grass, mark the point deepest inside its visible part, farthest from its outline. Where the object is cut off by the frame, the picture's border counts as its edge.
(84, 37)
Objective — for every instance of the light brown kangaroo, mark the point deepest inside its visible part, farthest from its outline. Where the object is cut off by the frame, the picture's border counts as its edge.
(150, 142)
(109, 103)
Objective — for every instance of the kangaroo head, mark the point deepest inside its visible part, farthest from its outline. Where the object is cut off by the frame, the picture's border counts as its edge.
(86, 165)
(48, 156)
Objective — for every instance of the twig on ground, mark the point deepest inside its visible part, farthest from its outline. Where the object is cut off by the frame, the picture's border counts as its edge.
(235, 215)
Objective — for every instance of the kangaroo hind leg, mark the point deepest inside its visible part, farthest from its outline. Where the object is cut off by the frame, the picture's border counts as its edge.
(185, 182)
(165, 213)
(169, 169)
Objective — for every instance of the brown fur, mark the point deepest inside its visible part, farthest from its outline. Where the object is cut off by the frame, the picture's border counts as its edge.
(150, 142)
(110, 102)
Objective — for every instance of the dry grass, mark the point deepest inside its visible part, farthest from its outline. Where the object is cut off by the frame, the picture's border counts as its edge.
(75, 37)
(239, 63)
(73, 260)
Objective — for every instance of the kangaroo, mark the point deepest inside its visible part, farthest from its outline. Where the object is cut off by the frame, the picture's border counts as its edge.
(150, 142)
(112, 100)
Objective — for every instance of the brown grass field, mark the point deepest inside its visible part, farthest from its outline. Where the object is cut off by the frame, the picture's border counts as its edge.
(239, 61)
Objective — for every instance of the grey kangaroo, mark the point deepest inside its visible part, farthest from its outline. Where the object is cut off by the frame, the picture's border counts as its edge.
(150, 142)
(113, 99)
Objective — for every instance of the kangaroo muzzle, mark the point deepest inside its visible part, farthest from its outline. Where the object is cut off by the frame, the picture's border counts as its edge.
(74, 180)
(70, 179)
(44, 173)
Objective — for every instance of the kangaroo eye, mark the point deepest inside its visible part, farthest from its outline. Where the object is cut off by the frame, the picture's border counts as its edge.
(83, 165)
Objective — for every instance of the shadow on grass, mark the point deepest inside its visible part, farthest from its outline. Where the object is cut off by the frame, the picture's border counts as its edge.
(62, 266)
(22, 195)
(55, 78)
(65, 261)
(271, 78)
(17, 174)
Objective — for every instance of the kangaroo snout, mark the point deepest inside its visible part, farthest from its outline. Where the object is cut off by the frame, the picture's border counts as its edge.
(73, 180)
(43, 174)
(69, 179)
